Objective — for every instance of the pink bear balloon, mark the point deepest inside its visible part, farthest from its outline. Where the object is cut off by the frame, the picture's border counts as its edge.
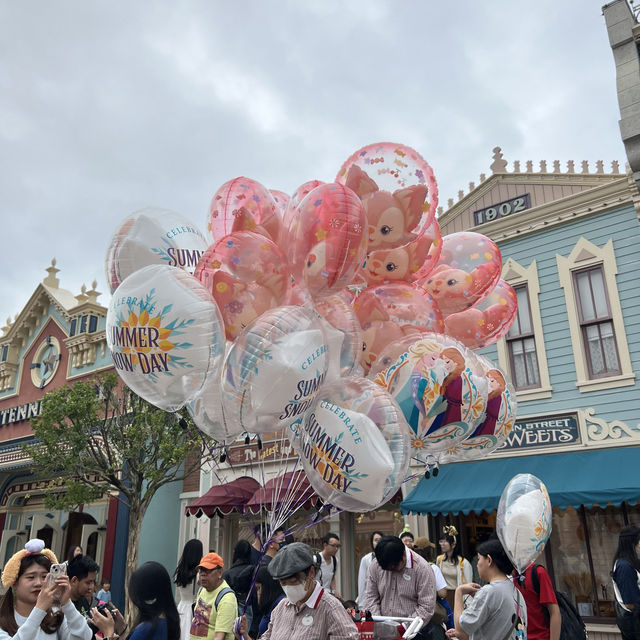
(247, 274)
(486, 322)
(468, 269)
(390, 311)
(243, 204)
(327, 241)
(394, 166)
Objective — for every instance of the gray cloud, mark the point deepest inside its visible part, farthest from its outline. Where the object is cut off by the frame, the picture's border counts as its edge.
(107, 107)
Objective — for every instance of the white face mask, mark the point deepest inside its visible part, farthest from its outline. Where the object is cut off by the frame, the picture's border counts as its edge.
(294, 592)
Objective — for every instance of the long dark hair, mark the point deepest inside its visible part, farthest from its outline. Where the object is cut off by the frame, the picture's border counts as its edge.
(241, 553)
(269, 592)
(51, 622)
(150, 590)
(627, 541)
(453, 543)
(187, 567)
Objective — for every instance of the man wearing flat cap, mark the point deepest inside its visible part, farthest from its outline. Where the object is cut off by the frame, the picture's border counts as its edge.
(216, 606)
(308, 611)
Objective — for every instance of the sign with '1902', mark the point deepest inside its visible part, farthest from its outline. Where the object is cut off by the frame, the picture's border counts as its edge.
(502, 209)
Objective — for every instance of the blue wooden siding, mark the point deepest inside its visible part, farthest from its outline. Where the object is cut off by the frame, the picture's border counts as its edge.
(620, 225)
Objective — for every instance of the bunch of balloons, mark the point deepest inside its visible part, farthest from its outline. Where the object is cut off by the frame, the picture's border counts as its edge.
(340, 315)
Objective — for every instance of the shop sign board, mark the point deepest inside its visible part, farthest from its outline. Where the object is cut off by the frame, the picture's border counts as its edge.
(545, 431)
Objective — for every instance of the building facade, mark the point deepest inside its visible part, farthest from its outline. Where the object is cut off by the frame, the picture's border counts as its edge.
(569, 246)
(58, 339)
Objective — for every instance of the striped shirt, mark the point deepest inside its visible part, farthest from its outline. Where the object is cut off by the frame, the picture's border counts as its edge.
(408, 593)
(321, 617)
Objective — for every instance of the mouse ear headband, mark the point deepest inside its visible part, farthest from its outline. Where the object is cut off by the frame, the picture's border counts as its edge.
(34, 547)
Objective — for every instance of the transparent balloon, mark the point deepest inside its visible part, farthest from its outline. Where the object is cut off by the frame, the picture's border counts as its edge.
(274, 370)
(354, 445)
(467, 271)
(440, 387)
(486, 322)
(327, 241)
(152, 236)
(247, 274)
(341, 318)
(392, 167)
(296, 198)
(165, 335)
(388, 312)
(282, 201)
(523, 522)
(243, 204)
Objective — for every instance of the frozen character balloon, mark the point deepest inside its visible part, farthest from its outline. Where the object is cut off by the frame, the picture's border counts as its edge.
(440, 387)
(243, 204)
(152, 236)
(390, 311)
(498, 422)
(486, 322)
(247, 274)
(468, 269)
(327, 240)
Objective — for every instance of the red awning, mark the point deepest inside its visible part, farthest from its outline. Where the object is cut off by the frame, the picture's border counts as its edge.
(288, 491)
(224, 498)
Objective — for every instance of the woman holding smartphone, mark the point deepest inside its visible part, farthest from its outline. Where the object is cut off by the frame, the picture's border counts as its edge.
(26, 608)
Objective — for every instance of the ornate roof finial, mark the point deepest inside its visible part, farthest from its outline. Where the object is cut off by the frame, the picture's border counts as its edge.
(499, 164)
(82, 297)
(93, 294)
(51, 280)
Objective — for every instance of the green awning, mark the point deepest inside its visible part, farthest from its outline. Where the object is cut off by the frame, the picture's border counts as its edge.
(581, 478)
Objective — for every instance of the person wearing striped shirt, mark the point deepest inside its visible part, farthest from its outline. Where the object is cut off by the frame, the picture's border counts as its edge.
(400, 583)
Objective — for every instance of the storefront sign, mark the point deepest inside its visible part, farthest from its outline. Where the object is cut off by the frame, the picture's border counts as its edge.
(250, 454)
(20, 413)
(546, 431)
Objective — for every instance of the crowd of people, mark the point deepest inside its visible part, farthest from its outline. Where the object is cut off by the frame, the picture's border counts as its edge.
(277, 589)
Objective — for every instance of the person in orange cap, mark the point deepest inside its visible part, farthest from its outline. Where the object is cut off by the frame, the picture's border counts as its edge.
(216, 606)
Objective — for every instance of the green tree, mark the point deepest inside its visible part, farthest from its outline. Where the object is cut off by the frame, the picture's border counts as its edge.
(98, 436)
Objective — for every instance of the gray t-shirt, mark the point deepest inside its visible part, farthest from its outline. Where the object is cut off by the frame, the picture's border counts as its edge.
(489, 615)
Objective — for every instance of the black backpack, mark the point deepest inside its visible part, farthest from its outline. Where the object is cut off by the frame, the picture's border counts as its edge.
(317, 557)
(572, 625)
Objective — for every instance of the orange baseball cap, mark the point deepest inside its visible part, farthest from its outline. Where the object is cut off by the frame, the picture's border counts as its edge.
(211, 561)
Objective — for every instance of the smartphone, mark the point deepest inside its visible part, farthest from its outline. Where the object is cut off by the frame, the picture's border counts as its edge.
(56, 571)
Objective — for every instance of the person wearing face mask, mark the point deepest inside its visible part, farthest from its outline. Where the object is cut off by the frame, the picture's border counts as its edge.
(308, 610)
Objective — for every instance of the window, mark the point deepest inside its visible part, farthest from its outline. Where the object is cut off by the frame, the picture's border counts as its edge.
(599, 341)
(5, 352)
(83, 324)
(522, 351)
(521, 344)
(596, 325)
(93, 324)
(72, 331)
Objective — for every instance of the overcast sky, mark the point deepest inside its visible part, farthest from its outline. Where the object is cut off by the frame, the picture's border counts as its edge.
(110, 106)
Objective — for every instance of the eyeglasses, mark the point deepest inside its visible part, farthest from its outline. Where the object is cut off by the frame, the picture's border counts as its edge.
(331, 544)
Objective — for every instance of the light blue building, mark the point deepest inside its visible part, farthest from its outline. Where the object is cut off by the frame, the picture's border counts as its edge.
(569, 241)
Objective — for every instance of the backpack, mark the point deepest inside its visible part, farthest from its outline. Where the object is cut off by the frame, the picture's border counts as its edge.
(572, 625)
(219, 597)
(317, 558)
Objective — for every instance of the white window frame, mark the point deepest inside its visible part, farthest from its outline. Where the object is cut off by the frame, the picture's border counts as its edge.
(515, 274)
(584, 255)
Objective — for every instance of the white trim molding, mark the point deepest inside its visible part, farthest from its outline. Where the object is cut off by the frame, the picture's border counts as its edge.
(515, 274)
(583, 255)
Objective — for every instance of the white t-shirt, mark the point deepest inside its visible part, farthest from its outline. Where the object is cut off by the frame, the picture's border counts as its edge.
(441, 583)
(326, 572)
